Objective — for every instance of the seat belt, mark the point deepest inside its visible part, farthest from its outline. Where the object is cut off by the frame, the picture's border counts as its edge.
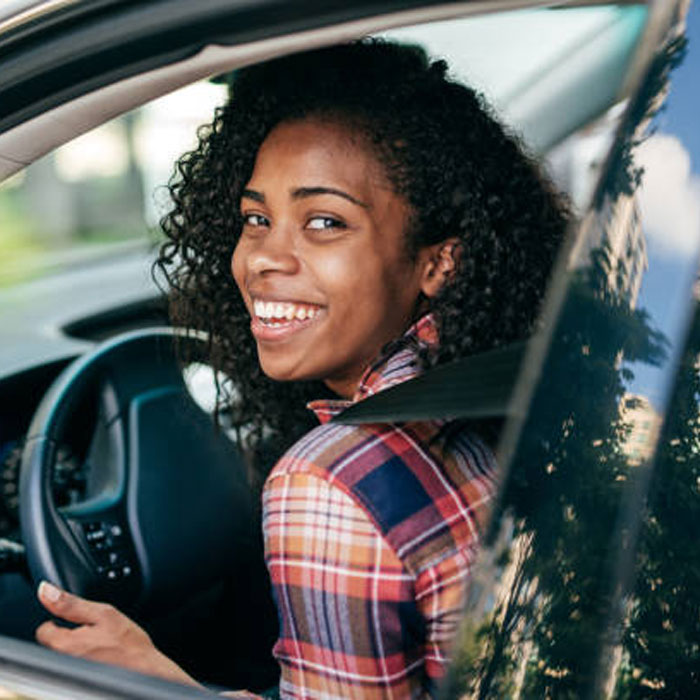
(473, 387)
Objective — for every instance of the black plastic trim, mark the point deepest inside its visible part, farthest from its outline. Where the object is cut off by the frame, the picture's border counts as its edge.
(41, 22)
(480, 386)
(144, 313)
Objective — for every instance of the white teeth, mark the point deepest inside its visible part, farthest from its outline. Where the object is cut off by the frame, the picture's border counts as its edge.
(282, 311)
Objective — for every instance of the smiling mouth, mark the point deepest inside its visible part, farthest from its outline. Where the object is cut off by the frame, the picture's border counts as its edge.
(276, 313)
(278, 320)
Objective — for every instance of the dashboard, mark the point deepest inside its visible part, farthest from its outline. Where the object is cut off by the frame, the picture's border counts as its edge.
(19, 397)
(46, 324)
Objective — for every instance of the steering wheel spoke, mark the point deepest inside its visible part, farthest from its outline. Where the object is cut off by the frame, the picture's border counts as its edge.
(104, 537)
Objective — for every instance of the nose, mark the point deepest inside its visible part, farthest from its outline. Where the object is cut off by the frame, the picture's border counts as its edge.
(272, 252)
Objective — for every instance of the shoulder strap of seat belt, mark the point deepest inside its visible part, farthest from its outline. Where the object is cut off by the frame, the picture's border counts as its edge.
(473, 387)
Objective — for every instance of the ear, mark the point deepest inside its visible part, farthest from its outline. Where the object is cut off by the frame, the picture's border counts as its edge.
(440, 265)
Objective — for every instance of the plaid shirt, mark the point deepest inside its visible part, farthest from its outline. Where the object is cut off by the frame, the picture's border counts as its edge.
(370, 532)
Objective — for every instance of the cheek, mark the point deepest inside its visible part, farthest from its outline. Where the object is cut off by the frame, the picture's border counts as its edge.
(238, 266)
(339, 276)
(346, 280)
(364, 287)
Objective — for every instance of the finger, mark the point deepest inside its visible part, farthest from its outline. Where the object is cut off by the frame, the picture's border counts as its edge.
(46, 634)
(51, 635)
(76, 642)
(68, 606)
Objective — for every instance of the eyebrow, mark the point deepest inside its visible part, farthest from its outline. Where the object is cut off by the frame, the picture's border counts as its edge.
(303, 192)
(255, 196)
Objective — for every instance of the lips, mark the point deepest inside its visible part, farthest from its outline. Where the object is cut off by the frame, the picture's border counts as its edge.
(276, 320)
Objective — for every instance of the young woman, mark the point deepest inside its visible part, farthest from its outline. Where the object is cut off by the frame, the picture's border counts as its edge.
(351, 218)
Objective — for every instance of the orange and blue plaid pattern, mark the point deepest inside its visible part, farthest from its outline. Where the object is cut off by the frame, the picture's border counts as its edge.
(370, 532)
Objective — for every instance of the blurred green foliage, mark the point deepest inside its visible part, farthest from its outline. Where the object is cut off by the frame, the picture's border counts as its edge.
(19, 242)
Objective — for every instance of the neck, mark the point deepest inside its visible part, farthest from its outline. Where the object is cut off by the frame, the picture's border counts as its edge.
(343, 388)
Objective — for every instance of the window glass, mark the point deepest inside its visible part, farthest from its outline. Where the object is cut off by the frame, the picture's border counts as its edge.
(592, 525)
(102, 193)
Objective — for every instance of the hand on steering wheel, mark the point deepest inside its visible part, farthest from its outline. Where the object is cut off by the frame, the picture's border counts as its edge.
(104, 634)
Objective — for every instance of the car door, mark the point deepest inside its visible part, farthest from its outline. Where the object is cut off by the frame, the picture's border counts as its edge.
(588, 587)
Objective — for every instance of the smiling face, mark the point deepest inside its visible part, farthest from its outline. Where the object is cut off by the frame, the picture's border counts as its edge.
(322, 261)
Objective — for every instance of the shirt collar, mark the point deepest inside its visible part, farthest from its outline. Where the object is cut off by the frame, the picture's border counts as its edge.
(398, 362)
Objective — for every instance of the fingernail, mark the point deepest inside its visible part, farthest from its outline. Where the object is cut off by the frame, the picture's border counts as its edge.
(49, 592)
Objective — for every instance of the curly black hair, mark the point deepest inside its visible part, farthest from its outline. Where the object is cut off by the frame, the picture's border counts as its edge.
(459, 170)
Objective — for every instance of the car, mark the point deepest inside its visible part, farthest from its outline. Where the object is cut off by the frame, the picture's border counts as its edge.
(115, 482)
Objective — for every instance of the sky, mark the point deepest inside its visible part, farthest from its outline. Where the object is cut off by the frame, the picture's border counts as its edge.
(670, 205)
(682, 116)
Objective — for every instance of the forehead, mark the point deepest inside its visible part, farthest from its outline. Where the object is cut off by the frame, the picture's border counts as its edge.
(320, 147)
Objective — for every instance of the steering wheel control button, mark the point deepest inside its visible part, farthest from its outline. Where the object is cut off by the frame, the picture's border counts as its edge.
(110, 549)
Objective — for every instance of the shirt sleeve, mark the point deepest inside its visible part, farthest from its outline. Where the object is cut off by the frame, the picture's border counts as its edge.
(441, 592)
(350, 625)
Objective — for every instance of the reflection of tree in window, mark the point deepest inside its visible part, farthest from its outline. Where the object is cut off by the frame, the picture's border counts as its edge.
(662, 639)
(552, 633)
(564, 494)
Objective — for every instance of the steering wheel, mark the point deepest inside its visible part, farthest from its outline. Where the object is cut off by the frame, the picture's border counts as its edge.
(167, 504)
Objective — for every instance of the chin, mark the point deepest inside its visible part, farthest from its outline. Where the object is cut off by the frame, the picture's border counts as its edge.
(280, 371)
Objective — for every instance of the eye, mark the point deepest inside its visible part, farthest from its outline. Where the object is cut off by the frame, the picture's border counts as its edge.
(255, 220)
(319, 223)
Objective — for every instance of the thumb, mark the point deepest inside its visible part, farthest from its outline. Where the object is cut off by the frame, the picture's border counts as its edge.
(66, 605)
